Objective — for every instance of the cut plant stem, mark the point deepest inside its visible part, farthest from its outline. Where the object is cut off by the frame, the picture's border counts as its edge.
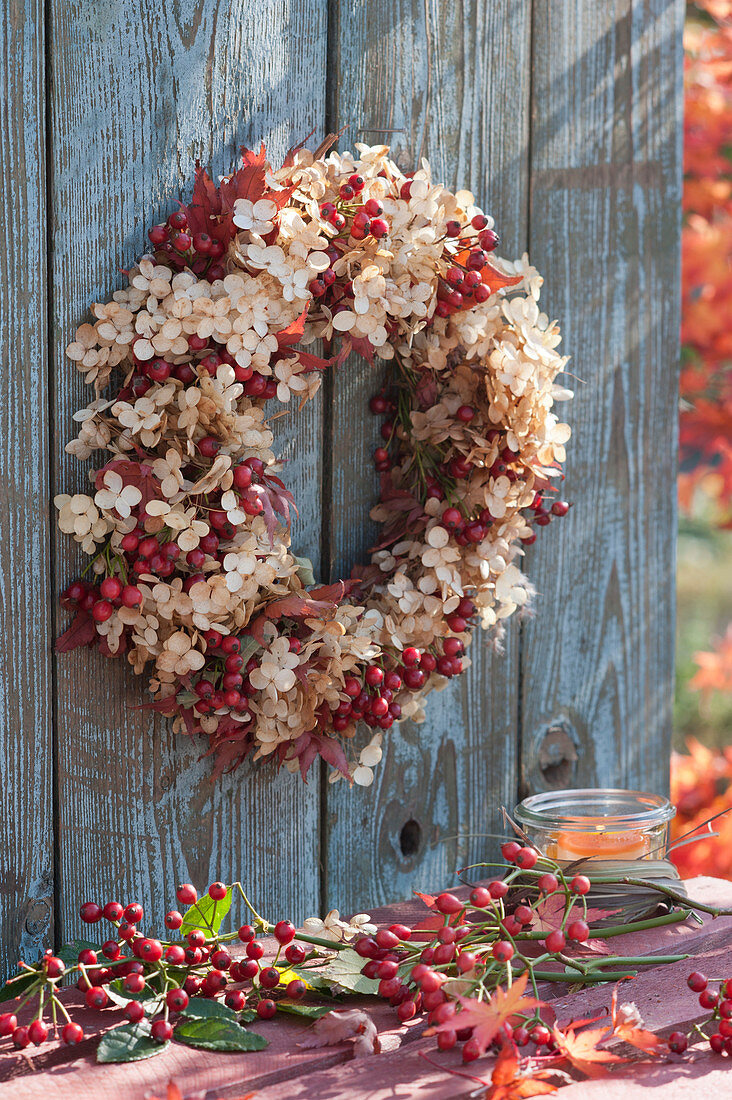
(591, 978)
(676, 917)
(674, 895)
(636, 960)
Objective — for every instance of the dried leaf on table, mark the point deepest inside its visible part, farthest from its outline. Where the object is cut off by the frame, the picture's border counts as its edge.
(352, 1023)
(628, 1026)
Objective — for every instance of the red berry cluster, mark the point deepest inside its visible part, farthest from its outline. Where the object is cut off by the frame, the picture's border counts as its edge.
(199, 964)
(204, 358)
(482, 941)
(372, 698)
(463, 283)
(446, 470)
(717, 1028)
(543, 511)
(354, 219)
(180, 248)
(222, 681)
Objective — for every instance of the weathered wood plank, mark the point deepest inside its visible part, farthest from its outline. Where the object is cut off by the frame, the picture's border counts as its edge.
(139, 92)
(26, 714)
(451, 84)
(286, 1071)
(605, 192)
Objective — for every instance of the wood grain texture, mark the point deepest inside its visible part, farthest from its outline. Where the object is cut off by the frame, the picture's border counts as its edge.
(140, 91)
(605, 218)
(26, 713)
(571, 140)
(452, 84)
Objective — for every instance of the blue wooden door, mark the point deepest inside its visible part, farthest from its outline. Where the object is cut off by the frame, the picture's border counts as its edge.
(564, 117)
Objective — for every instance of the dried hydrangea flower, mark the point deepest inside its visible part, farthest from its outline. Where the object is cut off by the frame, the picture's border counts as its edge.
(193, 576)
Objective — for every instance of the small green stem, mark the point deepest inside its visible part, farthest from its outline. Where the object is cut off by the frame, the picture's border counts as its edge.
(576, 964)
(58, 1004)
(318, 941)
(676, 917)
(268, 928)
(636, 960)
(586, 979)
(674, 895)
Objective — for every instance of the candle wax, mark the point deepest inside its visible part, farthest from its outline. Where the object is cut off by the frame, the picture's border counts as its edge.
(600, 843)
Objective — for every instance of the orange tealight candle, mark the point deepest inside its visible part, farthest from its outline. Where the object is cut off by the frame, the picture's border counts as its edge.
(596, 824)
(600, 843)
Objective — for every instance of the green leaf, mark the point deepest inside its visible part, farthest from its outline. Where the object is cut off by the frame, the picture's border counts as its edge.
(249, 647)
(129, 1043)
(201, 1009)
(69, 953)
(247, 1015)
(342, 973)
(15, 986)
(218, 1035)
(297, 1008)
(206, 914)
(187, 698)
(305, 570)
(122, 996)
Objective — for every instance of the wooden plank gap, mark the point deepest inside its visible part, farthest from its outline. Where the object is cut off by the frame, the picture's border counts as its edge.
(332, 56)
(26, 827)
(521, 790)
(52, 472)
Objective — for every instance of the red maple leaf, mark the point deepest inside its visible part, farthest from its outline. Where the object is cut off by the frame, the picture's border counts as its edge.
(290, 335)
(332, 593)
(581, 1050)
(174, 1093)
(81, 632)
(211, 207)
(313, 362)
(488, 1017)
(168, 705)
(490, 275)
(205, 206)
(363, 347)
(508, 1083)
(316, 603)
(312, 744)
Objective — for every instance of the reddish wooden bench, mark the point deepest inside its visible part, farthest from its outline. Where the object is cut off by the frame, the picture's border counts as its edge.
(285, 1072)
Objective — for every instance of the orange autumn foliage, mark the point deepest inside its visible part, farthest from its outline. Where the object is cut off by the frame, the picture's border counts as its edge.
(701, 786)
(705, 427)
(509, 1083)
(715, 668)
(706, 335)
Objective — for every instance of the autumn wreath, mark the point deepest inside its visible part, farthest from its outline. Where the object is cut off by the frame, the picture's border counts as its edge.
(192, 574)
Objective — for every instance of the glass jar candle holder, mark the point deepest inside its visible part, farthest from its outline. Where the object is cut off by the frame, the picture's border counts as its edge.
(596, 824)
